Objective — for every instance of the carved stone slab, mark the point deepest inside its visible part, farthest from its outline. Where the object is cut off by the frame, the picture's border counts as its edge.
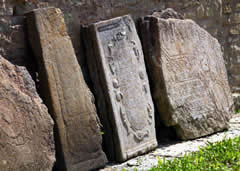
(118, 71)
(188, 76)
(65, 92)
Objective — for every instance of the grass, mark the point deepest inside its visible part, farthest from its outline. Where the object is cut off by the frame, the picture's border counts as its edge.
(219, 156)
(224, 155)
(238, 111)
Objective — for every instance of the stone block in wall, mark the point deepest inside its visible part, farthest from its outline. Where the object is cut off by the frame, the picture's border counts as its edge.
(6, 11)
(234, 18)
(232, 45)
(13, 40)
(65, 92)
(197, 9)
(188, 76)
(235, 30)
(234, 62)
(13, 43)
(117, 68)
(26, 128)
(236, 99)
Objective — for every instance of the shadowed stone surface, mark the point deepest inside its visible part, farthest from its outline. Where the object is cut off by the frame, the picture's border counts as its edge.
(26, 128)
(65, 92)
(117, 68)
(188, 76)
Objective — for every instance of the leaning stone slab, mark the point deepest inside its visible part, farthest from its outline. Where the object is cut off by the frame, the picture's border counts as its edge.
(26, 128)
(188, 76)
(117, 68)
(65, 92)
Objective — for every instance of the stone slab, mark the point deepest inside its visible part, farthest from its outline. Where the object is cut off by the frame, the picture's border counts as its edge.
(188, 76)
(65, 92)
(26, 128)
(117, 68)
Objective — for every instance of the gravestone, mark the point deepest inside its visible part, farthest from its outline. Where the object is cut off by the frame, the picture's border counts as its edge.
(26, 128)
(188, 76)
(65, 92)
(117, 68)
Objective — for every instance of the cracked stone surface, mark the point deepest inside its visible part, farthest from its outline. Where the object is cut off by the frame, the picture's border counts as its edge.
(26, 128)
(65, 93)
(188, 76)
(176, 149)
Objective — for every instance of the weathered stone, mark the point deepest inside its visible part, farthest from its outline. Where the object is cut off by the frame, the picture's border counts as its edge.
(168, 13)
(235, 18)
(6, 11)
(212, 15)
(188, 76)
(236, 99)
(65, 92)
(117, 68)
(13, 46)
(26, 128)
(234, 63)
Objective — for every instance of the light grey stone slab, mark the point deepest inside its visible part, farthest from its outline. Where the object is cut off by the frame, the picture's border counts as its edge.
(117, 68)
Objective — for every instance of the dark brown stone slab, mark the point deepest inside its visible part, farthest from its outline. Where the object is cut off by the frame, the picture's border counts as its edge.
(188, 76)
(117, 68)
(26, 128)
(65, 92)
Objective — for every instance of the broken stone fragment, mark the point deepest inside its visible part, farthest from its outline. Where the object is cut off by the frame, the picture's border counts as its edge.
(117, 68)
(26, 128)
(65, 92)
(188, 76)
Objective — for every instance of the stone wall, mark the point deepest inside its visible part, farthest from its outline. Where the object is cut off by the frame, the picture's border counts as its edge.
(220, 17)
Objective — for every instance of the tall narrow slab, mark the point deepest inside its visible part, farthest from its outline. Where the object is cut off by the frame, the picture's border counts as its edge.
(65, 92)
(188, 76)
(118, 71)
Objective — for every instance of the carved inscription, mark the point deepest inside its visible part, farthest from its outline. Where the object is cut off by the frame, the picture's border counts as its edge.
(188, 76)
(186, 84)
(131, 102)
(108, 27)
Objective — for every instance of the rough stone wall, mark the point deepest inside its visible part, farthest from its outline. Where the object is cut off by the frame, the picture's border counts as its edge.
(231, 26)
(220, 17)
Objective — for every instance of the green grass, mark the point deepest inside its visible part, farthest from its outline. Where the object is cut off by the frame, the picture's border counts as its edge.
(238, 111)
(224, 155)
(219, 156)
